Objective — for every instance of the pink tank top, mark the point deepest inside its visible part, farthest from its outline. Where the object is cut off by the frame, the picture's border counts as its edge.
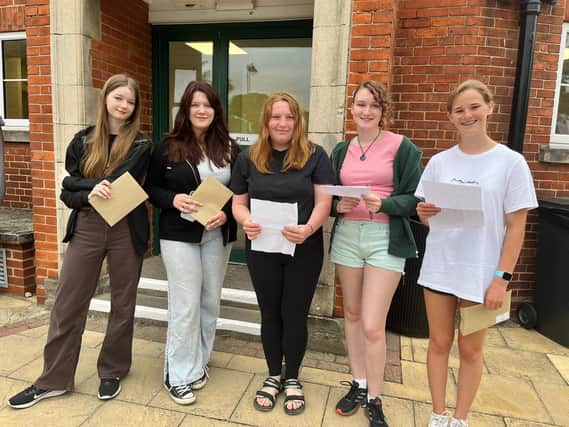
(376, 171)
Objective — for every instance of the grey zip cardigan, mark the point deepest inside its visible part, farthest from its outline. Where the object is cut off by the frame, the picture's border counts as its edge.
(401, 204)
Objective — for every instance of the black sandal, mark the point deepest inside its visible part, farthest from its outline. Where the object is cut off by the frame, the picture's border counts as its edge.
(293, 384)
(269, 382)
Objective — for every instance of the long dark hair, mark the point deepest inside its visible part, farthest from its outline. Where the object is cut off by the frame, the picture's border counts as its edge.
(182, 142)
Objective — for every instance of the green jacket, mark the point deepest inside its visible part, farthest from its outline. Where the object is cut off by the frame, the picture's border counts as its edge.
(401, 204)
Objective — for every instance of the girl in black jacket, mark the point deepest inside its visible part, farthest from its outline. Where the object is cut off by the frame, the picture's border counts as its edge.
(95, 158)
(195, 257)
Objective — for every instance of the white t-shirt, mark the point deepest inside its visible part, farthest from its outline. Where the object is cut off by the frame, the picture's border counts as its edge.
(463, 261)
(207, 168)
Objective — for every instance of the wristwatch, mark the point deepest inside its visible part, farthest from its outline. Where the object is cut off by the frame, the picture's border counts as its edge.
(504, 275)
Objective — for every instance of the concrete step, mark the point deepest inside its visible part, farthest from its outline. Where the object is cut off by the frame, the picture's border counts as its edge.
(239, 312)
(236, 277)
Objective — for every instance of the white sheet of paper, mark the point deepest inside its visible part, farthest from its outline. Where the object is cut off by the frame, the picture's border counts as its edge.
(272, 217)
(345, 190)
(461, 204)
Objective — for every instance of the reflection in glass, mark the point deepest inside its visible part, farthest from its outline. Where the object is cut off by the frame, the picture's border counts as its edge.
(16, 100)
(189, 61)
(14, 60)
(562, 125)
(269, 65)
(15, 79)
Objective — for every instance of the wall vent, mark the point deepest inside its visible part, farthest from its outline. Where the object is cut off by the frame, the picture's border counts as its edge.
(3, 269)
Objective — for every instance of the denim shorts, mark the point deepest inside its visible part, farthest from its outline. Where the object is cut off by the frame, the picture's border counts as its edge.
(356, 243)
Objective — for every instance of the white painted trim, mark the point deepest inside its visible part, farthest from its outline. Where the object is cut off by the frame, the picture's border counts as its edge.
(153, 284)
(559, 140)
(160, 314)
(10, 124)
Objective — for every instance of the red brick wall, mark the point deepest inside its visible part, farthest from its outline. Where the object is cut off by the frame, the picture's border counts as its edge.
(12, 15)
(18, 176)
(125, 47)
(20, 268)
(435, 48)
(37, 21)
(16, 156)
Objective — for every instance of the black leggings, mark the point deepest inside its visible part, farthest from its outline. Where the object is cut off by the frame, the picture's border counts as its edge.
(285, 286)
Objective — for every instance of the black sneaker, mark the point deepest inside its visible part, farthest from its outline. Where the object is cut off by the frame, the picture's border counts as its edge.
(109, 388)
(375, 413)
(31, 396)
(352, 401)
(200, 382)
(181, 394)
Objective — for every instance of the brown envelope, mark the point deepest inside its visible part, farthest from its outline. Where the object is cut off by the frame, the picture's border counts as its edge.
(213, 195)
(477, 317)
(127, 194)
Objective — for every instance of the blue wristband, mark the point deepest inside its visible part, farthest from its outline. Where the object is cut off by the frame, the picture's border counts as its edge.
(503, 275)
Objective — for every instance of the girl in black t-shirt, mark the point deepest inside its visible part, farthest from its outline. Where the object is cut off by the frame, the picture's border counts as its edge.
(283, 166)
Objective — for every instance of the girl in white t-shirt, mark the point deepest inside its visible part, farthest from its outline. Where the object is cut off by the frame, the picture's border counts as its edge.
(464, 264)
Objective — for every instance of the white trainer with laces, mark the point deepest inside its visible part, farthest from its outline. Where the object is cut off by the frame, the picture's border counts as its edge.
(455, 422)
(439, 420)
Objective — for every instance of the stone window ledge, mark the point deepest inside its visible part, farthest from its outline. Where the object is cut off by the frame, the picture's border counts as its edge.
(548, 154)
(16, 135)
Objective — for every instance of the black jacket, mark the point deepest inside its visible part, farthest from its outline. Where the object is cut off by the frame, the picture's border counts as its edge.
(166, 179)
(76, 188)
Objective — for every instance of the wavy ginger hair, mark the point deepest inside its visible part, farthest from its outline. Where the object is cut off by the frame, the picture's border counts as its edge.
(98, 162)
(300, 147)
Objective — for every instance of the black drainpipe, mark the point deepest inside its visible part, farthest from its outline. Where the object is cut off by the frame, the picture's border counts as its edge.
(529, 11)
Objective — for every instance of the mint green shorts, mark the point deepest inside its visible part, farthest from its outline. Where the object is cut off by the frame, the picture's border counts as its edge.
(356, 243)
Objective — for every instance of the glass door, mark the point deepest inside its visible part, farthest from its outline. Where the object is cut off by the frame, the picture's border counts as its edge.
(265, 66)
(244, 62)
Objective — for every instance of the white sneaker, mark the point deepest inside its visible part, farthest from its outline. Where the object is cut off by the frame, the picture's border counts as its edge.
(455, 422)
(200, 382)
(439, 420)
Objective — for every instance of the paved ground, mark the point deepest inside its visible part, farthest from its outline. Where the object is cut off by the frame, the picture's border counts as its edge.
(526, 382)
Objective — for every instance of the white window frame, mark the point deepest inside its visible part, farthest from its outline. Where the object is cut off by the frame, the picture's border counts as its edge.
(11, 124)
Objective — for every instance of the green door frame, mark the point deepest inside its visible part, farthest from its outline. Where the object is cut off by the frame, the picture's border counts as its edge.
(220, 34)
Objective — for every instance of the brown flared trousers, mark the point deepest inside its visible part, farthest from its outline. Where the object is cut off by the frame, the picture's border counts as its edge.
(92, 241)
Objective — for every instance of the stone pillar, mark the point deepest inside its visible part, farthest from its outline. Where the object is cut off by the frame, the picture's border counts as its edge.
(330, 52)
(74, 24)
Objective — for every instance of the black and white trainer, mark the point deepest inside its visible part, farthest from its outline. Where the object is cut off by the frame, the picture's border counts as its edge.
(181, 394)
(109, 388)
(375, 413)
(31, 396)
(353, 400)
(201, 381)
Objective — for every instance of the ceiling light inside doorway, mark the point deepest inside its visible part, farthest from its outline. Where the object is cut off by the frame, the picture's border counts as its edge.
(206, 48)
(234, 5)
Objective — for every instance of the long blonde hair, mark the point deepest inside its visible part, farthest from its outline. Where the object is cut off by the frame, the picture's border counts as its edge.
(98, 161)
(300, 147)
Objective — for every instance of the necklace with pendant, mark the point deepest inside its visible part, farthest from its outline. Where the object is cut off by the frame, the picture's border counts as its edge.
(364, 152)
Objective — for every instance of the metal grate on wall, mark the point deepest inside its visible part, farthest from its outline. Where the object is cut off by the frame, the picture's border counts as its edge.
(3, 269)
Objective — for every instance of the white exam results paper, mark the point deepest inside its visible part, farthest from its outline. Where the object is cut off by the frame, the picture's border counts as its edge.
(355, 191)
(461, 204)
(272, 217)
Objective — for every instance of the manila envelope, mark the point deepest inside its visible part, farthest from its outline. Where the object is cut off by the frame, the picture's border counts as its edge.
(477, 317)
(213, 195)
(127, 194)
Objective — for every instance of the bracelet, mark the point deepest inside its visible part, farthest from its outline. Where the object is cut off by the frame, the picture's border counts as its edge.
(311, 227)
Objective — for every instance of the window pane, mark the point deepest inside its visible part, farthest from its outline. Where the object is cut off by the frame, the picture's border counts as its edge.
(563, 111)
(189, 61)
(256, 69)
(14, 59)
(16, 100)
